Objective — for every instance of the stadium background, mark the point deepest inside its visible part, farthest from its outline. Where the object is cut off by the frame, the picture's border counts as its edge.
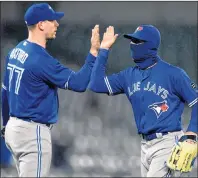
(96, 134)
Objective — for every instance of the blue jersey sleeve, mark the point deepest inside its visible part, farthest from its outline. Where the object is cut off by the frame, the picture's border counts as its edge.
(5, 82)
(57, 74)
(100, 83)
(4, 97)
(193, 126)
(78, 81)
(187, 91)
(185, 88)
(51, 71)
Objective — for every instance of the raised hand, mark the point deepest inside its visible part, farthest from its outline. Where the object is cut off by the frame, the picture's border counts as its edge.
(108, 38)
(95, 41)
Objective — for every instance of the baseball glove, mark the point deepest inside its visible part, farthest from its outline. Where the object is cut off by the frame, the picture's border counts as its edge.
(183, 154)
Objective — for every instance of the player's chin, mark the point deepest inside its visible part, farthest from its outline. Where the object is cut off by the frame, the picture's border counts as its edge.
(51, 37)
(54, 37)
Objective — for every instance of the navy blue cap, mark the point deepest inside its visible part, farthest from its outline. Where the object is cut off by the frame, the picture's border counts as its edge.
(41, 12)
(146, 33)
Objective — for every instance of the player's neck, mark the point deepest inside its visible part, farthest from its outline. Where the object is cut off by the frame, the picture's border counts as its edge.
(40, 40)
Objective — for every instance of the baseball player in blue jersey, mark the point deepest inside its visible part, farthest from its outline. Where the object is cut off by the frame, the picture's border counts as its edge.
(157, 92)
(29, 91)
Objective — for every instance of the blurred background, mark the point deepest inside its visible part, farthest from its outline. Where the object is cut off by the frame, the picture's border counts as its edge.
(96, 134)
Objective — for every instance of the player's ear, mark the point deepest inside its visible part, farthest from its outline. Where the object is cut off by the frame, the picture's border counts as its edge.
(41, 25)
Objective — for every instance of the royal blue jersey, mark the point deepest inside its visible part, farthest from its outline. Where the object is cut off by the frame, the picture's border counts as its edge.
(32, 77)
(157, 95)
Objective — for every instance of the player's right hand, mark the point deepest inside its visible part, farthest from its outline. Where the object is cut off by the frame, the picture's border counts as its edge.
(95, 41)
(3, 132)
(109, 38)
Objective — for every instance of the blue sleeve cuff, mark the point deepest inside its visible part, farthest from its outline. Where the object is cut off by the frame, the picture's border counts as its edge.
(103, 54)
(90, 58)
(193, 126)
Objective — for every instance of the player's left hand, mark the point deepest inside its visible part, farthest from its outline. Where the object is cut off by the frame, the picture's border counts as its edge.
(3, 132)
(183, 154)
(109, 38)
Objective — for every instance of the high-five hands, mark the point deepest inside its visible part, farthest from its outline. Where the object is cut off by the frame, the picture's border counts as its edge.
(109, 38)
(95, 41)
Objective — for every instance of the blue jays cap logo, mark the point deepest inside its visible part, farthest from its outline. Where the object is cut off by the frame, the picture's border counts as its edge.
(159, 107)
(139, 29)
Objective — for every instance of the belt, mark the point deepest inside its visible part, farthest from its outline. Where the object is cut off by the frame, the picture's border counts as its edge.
(29, 120)
(149, 137)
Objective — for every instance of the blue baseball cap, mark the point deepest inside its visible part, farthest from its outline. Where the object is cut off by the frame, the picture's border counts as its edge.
(41, 12)
(145, 33)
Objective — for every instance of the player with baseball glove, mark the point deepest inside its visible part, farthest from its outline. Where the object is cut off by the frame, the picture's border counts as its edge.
(157, 92)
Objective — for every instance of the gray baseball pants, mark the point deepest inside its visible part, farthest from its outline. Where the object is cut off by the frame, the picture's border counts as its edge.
(155, 153)
(31, 147)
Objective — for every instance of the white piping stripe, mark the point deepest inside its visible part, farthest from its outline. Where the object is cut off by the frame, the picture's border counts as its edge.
(108, 86)
(39, 151)
(193, 102)
(67, 83)
(4, 87)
